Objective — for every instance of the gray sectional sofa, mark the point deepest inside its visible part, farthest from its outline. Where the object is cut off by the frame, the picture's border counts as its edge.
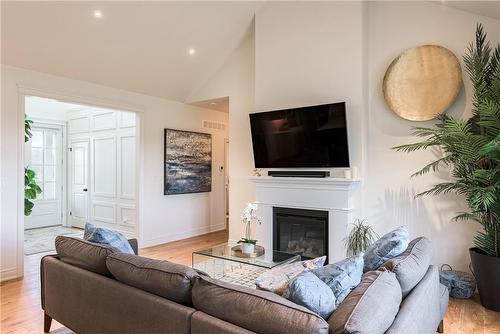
(92, 288)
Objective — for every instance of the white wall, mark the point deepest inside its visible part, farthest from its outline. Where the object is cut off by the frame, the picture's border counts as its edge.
(393, 27)
(45, 109)
(236, 80)
(319, 52)
(311, 53)
(164, 218)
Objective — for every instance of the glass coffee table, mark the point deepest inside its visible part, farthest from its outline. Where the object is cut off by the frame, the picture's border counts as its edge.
(219, 263)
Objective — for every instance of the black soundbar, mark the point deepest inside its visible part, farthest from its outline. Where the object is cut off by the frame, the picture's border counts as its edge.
(298, 173)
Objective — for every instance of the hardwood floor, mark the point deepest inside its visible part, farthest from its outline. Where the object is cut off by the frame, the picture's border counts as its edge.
(21, 312)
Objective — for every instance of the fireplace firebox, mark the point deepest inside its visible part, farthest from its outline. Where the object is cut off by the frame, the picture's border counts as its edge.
(299, 231)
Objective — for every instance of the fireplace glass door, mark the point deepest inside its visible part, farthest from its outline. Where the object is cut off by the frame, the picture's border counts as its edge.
(298, 231)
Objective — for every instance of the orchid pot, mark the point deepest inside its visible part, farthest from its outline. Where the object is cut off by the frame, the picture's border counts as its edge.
(247, 248)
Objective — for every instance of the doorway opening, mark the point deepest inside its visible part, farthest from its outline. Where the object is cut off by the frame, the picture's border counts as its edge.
(80, 160)
(220, 131)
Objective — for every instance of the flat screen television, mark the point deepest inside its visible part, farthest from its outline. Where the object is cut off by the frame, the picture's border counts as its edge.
(314, 136)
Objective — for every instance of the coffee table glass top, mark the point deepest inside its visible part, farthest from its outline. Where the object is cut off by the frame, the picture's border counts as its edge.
(269, 260)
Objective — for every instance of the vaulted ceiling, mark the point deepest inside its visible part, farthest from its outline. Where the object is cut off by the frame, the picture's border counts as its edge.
(489, 8)
(137, 46)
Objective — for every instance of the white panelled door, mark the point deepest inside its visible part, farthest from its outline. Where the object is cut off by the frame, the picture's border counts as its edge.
(79, 179)
(43, 155)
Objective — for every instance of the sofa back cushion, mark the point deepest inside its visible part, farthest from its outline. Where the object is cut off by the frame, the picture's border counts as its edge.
(257, 311)
(371, 307)
(412, 265)
(84, 254)
(166, 279)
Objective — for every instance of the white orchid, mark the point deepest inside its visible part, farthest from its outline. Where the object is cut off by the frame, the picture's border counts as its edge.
(248, 216)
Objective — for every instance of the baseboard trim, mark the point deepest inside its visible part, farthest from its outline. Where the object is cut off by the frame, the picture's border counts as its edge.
(9, 274)
(162, 239)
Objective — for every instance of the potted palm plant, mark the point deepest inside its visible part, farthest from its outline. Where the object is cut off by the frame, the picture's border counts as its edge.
(471, 150)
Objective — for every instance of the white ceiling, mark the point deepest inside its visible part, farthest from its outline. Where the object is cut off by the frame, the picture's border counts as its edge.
(219, 104)
(484, 8)
(136, 46)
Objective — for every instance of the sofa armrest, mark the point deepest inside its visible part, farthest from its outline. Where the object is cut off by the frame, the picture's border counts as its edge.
(420, 311)
(133, 244)
(42, 278)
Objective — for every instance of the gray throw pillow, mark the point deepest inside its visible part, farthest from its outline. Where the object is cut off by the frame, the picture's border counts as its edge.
(342, 276)
(390, 245)
(104, 236)
(309, 291)
(411, 266)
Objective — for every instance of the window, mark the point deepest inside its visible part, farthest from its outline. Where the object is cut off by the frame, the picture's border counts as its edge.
(43, 160)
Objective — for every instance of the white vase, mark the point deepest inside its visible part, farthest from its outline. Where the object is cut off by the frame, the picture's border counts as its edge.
(247, 248)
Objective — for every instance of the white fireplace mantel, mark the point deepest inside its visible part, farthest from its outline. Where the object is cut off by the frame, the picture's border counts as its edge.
(335, 195)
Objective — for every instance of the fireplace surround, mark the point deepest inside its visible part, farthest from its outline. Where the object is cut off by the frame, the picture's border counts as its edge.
(335, 196)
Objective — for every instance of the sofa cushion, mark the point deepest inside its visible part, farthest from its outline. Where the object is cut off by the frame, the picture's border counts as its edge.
(166, 279)
(257, 311)
(388, 246)
(311, 292)
(371, 307)
(100, 235)
(342, 276)
(277, 279)
(412, 264)
(84, 254)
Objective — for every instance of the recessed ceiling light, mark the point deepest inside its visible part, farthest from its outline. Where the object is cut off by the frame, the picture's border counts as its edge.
(191, 52)
(97, 14)
(213, 103)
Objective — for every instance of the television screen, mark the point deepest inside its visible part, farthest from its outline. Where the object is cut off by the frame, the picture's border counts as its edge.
(314, 136)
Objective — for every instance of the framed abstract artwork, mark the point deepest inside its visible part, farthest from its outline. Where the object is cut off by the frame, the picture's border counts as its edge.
(188, 162)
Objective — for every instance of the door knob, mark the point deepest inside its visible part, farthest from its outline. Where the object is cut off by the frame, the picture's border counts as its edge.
(85, 189)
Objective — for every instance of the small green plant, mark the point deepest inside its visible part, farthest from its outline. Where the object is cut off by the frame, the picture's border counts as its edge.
(247, 241)
(360, 238)
(31, 188)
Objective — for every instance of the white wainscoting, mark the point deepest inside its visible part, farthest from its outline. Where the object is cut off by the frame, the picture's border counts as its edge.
(79, 124)
(103, 165)
(112, 191)
(127, 163)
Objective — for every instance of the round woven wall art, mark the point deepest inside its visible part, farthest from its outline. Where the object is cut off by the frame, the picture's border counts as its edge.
(422, 82)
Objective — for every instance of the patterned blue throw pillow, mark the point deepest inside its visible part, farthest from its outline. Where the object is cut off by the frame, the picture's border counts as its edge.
(105, 236)
(342, 276)
(390, 245)
(309, 291)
